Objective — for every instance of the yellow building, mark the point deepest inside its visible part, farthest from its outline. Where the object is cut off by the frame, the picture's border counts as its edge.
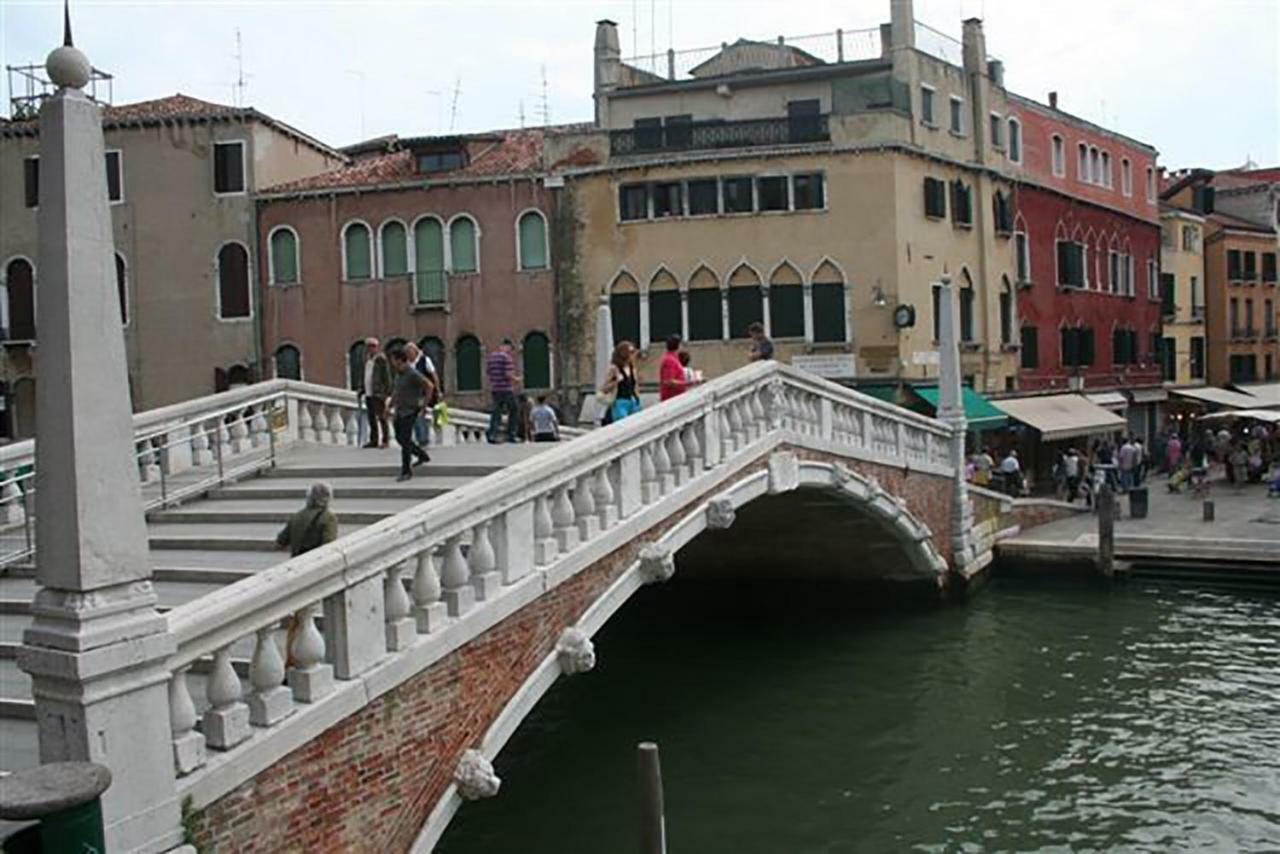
(1182, 283)
(818, 186)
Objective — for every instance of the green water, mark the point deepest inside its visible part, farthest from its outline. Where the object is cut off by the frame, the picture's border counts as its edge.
(801, 719)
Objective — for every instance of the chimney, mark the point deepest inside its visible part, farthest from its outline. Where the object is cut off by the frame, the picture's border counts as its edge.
(608, 67)
(902, 21)
(1053, 100)
(975, 46)
(995, 70)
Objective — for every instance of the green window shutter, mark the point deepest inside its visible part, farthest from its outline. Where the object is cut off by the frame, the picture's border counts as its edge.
(625, 309)
(359, 264)
(284, 257)
(462, 245)
(536, 361)
(786, 311)
(1030, 347)
(966, 315)
(395, 250)
(828, 311)
(288, 363)
(467, 356)
(704, 314)
(533, 242)
(664, 315)
(428, 247)
(746, 306)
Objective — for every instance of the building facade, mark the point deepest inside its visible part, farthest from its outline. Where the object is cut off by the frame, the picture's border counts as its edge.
(180, 173)
(441, 241)
(820, 188)
(1240, 209)
(1183, 354)
(1087, 253)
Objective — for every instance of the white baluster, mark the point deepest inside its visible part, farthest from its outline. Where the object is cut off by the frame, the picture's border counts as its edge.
(402, 628)
(735, 425)
(758, 417)
(430, 611)
(605, 499)
(353, 428)
(562, 515)
(310, 677)
(483, 563)
(338, 426)
(259, 428)
(226, 723)
(662, 466)
(455, 577)
(584, 509)
(544, 541)
(650, 488)
(200, 453)
(321, 419)
(679, 462)
(727, 445)
(239, 435)
(270, 701)
(306, 423)
(692, 450)
(188, 745)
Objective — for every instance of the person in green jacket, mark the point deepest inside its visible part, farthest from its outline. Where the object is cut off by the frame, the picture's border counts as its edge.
(313, 525)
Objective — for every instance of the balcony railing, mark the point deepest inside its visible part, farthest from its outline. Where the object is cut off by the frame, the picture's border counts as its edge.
(703, 135)
(430, 288)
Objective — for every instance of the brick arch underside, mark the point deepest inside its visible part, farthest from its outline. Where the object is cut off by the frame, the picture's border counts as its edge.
(381, 779)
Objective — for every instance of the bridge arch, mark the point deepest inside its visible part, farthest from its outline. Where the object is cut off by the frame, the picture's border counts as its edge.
(655, 563)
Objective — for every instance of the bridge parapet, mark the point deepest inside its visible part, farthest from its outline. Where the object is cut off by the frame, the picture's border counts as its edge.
(404, 593)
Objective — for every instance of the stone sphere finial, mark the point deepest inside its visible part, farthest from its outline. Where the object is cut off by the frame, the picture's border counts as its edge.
(68, 67)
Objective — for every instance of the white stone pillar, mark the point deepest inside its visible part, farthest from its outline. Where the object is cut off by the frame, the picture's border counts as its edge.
(951, 412)
(96, 649)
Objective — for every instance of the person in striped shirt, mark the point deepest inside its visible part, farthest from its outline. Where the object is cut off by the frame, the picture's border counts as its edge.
(500, 368)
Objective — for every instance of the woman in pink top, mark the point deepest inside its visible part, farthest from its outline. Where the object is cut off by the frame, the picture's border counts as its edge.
(1173, 453)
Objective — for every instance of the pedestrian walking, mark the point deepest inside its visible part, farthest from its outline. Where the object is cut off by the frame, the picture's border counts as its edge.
(983, 464)
(1127, 460)
(376, 388)
(546, 426)
(671, 377)
(309, 528)
(1173, 454)
(1011, 472)
(500, 368)
(692, 376)
(621, 383)
(422, 364)
(1071, 466)
(761, 346)
(408, 396)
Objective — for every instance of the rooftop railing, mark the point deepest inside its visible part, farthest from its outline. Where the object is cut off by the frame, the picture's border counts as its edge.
(704, 135)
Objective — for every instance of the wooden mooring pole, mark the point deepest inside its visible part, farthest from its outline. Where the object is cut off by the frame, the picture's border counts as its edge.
(653, 829)
(1106, 530)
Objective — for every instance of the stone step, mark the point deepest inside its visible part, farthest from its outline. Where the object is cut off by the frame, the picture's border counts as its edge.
(344, 488)
(336, 474)
(224, 536)
(363, 511)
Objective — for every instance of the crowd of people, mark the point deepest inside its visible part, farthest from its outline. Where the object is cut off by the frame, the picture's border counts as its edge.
(1249, 453)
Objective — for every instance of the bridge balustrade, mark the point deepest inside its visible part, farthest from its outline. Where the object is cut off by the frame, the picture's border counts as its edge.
(333, 629)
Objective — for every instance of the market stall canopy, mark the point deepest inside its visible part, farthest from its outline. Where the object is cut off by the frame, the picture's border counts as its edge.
(1266, 394)
(1063, 416)
(1270, 416)
(1219, 397)
(1108, 399)
(978, 411)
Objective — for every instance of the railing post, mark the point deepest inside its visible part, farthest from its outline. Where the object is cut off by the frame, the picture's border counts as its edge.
(270, 701)
(459, 595)
(354, 627)
(188, 744)
(711, 438)
(675, 452)
(217, 450)
(562, 515)
(311, 677)
(662, 466)
(514, 541)
(584, 509)
(630, 497)
(839, 45)
(544, 542)
(650, 487)
(226, 723)
(826, 419)
(431, 612)
(606, 501)
(402, 628)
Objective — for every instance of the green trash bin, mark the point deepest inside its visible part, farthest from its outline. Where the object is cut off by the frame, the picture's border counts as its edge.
(1138, 502)
(65, 798)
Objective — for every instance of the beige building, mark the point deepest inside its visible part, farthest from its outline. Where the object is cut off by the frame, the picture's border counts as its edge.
(819, 186)
(180, 175)
(1182, 291)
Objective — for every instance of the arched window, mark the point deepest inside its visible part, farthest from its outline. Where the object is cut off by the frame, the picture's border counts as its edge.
(1015, 140)
(463, 246)
(428, 274)
(122, 288)
(282, 260)
(466, 354)
(1006, 311)
(357, 252)
(233, 282)
(355, 365)
(394, 249)
(434, 348)
(966, 307)
(20, 280)
(624, 309)
(746, 301)
(536, 361)
(706, 323)
(665, 314)
(786, 303)
(532, 235)
(288, 362)
(830, 315)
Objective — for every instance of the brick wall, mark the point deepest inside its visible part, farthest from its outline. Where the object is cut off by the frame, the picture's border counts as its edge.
(369, 782)
(1028, 513)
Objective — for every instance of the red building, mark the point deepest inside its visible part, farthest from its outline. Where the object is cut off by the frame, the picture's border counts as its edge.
(1087, 252)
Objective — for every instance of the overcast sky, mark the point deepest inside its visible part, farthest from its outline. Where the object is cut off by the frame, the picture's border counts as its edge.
(1199, 79)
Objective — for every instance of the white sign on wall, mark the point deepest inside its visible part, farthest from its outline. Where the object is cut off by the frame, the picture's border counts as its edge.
(926, 357)
(832, 366)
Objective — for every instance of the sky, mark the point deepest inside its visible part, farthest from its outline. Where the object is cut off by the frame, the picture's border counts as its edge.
(1198, 79)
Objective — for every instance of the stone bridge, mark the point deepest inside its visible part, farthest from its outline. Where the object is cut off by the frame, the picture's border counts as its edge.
(427, 636)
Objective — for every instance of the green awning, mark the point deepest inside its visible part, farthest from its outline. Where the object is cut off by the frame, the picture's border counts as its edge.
(982, 415)
(888, 392)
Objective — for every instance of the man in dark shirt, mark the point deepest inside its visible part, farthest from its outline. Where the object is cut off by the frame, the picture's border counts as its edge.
(500, 369)
(409, 393)
(313, 525)
(761, 346)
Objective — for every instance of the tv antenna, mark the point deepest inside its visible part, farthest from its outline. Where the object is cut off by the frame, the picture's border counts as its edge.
(453, 109)
(522, 113)
(545, 105)
(242, 80)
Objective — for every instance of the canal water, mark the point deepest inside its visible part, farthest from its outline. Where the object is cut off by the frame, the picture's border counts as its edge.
(802, 718)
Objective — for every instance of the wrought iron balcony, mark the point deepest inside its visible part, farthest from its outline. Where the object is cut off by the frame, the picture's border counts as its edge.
(703, 135)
